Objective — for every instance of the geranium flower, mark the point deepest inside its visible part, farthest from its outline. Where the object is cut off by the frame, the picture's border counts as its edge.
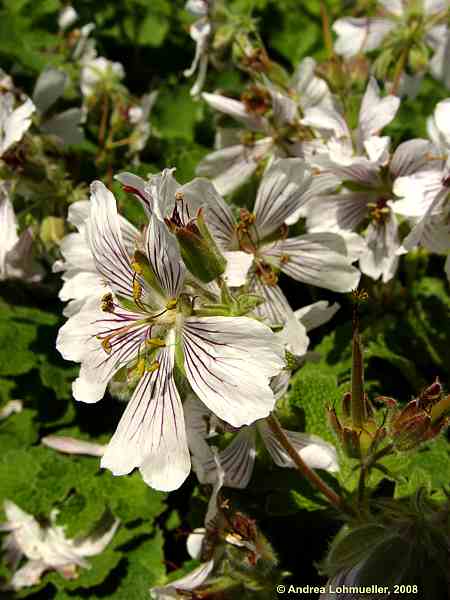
(145, 327)
(200, 32)
(258, 247)
(362, 162)
(45, 547)
(400, 24)
(238, 458)
(425, 192)
(240, 153)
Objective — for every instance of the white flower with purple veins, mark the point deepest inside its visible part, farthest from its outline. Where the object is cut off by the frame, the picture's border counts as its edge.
(144, 329)
(366, 170)
(14, 122)
(425, 190)
(82, 281)
(401, 23)
(45, 548)
(240, 151)
(238, 458)
(257, 245)
(16, 258)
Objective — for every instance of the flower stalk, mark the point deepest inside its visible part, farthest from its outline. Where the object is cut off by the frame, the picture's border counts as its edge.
(333, 498)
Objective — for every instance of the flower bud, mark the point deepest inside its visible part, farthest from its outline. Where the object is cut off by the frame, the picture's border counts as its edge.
(52, 230)
(198, 248)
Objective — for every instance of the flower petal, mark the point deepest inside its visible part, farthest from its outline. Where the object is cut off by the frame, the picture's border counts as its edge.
(315, 452)
(164, 256)
(105, 239)
(187, 583)
(229, 362)
(316, 258)
(151, 434)
(280, 193)
(235, 109)
(315, 315)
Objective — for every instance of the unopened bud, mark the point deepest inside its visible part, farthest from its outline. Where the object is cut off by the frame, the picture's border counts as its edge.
(199, 250)
(52, 230)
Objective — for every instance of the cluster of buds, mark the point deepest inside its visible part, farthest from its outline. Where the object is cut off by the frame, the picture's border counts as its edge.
(359, 430)
(421, 420)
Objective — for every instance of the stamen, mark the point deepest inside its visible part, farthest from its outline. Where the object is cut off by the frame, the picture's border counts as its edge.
(153, 367)
(155, 342)
(170, 304)
(107, 303)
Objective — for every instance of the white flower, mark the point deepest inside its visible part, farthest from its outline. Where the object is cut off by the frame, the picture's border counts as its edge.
(237, 160)
(16, 259)
(99, 70)
(238, 458)
(365, 34)
(13, 122)
(144, 327)
(425, 189)
(45, 548)
(317, 258)
(365, 169)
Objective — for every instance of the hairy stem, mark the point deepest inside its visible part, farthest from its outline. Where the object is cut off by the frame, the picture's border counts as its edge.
(310, 475)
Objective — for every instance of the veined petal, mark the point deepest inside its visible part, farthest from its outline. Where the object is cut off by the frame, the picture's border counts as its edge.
(238, 459)
(151, 434)
(382, 244)
(280, 193)
(139, 187)
(80, 339)
(275, 310)
(315, 315)
(164, 256)
(316, 258)
(327, 119)
(409, 157)
(188, 582)
(338, 211)
(218, 215)
(105, 238)
(315, 452)
(235, 109)
(229, 362)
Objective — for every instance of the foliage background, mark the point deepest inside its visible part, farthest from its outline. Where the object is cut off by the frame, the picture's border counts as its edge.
(405, 331)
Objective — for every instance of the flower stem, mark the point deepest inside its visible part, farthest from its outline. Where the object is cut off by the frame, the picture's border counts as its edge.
(310, 475)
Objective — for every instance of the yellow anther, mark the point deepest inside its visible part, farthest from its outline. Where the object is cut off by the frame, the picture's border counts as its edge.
(107, 303)
(140, 367)
(179, 196)
(137, 290)
(106, 345)
(153, 367)
(284, 258)
(170, 304)
(137, 268)
(155, 342)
